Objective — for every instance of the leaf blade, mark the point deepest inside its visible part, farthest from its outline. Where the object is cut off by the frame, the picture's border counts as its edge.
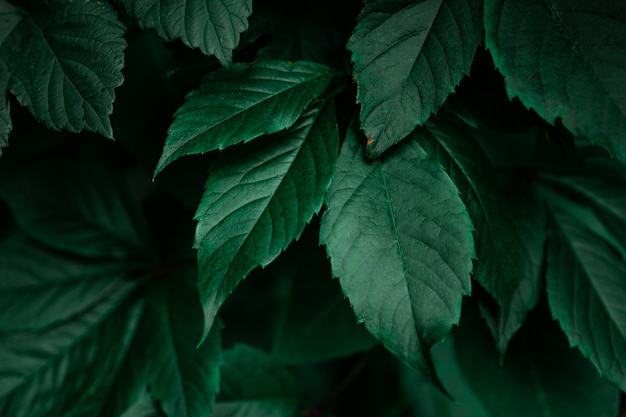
(397, 94)
(213, 26)
(242, 104)
(79, 53)
(269, 191)
(581, 80)
(408, 302)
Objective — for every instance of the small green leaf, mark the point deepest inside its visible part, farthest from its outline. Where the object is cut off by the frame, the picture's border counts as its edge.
(258, 199)
(58, 371)
(399, 239)
(40, 288)
(509, 219)
(540, 374)
(566, 60)
(242, 103)
(585, 276)
(256, 385)
(214, 26)
(65, 60)
(408, 56)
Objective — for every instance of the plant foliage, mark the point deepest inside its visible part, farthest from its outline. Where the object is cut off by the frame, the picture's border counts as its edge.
(456, 165)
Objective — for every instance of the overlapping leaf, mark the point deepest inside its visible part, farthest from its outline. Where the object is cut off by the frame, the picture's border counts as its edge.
(241, 104)
(65, 60)
(214, 26)
(259, 199)
(509, 220)
(40, 288)
(408, 56)
(539, 376)
(164, 358)
(566, 60)
(256, 385)
(586, 267)
(5, 115)
(80, 356)
(399, 239)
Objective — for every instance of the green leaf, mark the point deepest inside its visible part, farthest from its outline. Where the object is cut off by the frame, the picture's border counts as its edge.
(65, 60)
(83, 207)
(241, 104)
(317, 324)
(408, 56)
(164, 359)
(59, 371)
(400, 241)
(258, 199)
(256, 385)
(585, 271)
(566, 60)
(214, 26)
(182, 378)
(40, 288)
(509, 220)
(540, 376)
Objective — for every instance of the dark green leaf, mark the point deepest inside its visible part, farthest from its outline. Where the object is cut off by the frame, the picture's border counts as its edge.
(214, 26)
(65, 60)
(256, 385)
(241, 104)
(540, 376)
(183, 379)
(58, 371)
(86, 207)
(40, 288)
(400, 241)
(318, 323)
(585, 276)
(408, 56)
(566, 60)
(164, 358)
(258, 199)
(509, 220)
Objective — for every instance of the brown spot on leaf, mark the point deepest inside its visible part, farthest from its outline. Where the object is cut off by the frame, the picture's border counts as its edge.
(369, 140)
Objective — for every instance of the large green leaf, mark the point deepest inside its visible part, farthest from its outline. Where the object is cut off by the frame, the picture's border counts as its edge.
(408, 56)
(566, 60)
(509, 220)
(585, 276)
(242, 103)
(84, 207)
(58, 371)
(540, 376)
(400, 241)
(317, 324)
(65, 60)
(214, 26)
(256, 385)
(258, 199)
(40, 288)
